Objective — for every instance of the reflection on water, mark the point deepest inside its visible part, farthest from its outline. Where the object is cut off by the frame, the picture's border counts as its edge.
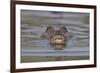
(58, 46)
(34, 23)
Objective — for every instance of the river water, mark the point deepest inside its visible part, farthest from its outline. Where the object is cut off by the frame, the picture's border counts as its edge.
(34, 23)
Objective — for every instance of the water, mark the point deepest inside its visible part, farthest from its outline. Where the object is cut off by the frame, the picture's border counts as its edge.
(34, 23)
